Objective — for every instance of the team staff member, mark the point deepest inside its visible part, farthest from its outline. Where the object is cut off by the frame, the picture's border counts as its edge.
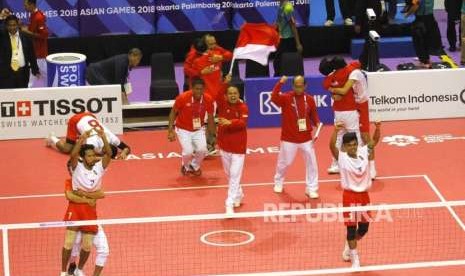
(298, 114)
(189, 112)
(17, 57)
(232, 140)
(79, 124)
(354, 166)
(87, 173)
(38, 30)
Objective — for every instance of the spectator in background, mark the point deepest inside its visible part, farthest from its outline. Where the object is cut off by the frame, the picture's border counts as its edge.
(453, 8)
(197, 49)
(392, 11)
(115, 70)
(38, 31)
(346, 7)
(289, 37)
(17, 57)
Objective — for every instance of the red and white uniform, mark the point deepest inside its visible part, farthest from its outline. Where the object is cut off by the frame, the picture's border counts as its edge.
(355, 180)
(360, 88)
(190, 127)
(85, 121)
(232, 140)
(298, 114)
(80, 211)
(88, 180)
(38, 26)
(345, 109)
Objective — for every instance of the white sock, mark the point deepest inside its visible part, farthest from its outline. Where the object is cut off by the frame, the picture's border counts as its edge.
(54, 139)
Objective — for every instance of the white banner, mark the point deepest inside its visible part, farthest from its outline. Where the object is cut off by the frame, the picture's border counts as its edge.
(418, 94)
(34, 113)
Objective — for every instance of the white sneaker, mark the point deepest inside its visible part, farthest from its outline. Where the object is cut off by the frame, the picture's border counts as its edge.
(312, 195)
(355, 260)
(333, 169)
(346, 252)
(213, 152)
(229, 210)
(49, 140)
(329, 23)
(348, 22)
(278, 188)
(78, 272)
(238, 202)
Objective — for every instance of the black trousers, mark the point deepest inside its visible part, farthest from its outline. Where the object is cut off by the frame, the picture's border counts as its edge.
(426, 37)
(346, 6)
(16, 79)
(286, 45)
(453, 8)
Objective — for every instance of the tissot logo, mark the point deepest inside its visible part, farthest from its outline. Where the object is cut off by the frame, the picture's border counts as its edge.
(267, 107)
(56, 107)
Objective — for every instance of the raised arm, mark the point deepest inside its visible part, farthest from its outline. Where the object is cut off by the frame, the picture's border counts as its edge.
(332, 142)
(106, 147)
(276, 96)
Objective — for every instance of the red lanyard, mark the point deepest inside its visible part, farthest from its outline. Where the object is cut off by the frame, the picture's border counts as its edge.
(199, 110)
(297, 109)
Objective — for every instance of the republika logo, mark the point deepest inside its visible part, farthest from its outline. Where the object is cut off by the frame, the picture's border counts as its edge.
(267, 107)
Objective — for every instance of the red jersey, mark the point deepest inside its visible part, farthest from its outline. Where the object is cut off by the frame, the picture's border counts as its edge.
(295, 107)
(189, 71)
(232, 138)
(38, 26)
(188, 109)
(338, 79)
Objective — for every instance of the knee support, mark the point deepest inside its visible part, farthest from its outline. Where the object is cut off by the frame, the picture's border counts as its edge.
(351, 233)
(362, 229)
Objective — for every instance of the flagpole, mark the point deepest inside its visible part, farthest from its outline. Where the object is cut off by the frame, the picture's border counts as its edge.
(232, 65)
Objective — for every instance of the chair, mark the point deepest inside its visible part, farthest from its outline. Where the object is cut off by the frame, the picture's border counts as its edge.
(256, 70)
(163, 85)
(292, 64)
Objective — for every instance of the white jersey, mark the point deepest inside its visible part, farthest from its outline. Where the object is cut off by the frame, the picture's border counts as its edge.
(88, 180)
(355, 172)
(87, 123)
(360, 86)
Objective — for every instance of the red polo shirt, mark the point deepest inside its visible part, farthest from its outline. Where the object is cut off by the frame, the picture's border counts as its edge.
(188, 109)
(306, 108)
(38, 26)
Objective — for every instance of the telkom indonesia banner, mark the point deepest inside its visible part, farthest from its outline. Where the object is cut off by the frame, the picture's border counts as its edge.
(421, 94)
(35, 112)
(70, 18)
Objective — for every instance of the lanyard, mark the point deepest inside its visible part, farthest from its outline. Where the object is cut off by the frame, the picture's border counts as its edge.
(297, 109)
(199, 109)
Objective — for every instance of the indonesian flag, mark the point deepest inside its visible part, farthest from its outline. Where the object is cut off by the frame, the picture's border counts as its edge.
(256, 41)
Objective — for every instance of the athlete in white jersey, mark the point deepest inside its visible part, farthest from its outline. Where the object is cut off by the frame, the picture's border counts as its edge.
(80, 123)
(354, 168)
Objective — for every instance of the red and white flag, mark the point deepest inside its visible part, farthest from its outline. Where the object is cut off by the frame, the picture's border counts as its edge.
(256, 41)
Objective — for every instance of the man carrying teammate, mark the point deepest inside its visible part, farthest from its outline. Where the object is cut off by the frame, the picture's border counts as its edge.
(354, 167)
(298, 114)
(232, 140)
(87, 172)
(79, 124)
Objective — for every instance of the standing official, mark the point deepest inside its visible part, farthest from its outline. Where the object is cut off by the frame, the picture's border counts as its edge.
(17, 57)
(188, 115)
(298, 114)
(38, 30)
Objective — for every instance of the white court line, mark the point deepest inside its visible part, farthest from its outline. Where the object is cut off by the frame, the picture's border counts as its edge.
(442, 199)
(349, 270)
(200, 187)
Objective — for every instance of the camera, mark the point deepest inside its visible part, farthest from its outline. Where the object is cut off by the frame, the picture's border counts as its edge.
(374, 35)
(371, 14)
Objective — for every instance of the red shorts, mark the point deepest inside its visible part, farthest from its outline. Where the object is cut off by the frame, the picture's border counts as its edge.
(364, 113)
(353, 199)
(72, 133)
(82, 211)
